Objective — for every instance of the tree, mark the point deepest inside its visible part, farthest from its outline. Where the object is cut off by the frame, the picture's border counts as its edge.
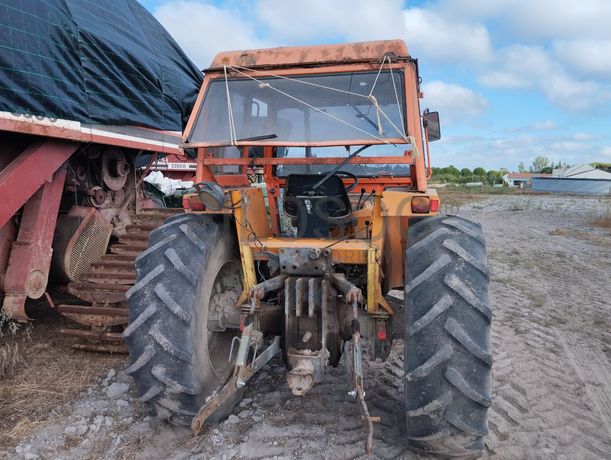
(479, 171)
(521, 167)
(466, 172)
(451, 170)
(493, 176)
(539, 164)
(547, 170)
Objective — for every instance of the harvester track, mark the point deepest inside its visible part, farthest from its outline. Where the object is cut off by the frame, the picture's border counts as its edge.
(101, 290)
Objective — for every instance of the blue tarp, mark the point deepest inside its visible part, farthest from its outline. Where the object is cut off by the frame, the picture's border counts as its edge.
(102, 61)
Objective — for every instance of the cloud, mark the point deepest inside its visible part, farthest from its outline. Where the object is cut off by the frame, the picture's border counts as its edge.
(444, 38)
(580, 136)
(203, 29)
(544, 125)
(293, 21)
(508, 151)
(453, 102)
(427, 33)
(591, 58)
(552, 19)
(539, 19)
(535, 67)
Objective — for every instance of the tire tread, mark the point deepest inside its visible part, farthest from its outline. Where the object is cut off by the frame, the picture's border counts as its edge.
(447, 342)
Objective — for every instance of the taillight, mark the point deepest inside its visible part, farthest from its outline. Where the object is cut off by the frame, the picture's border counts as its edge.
(381, 334)
(420, 204)
(434, 206)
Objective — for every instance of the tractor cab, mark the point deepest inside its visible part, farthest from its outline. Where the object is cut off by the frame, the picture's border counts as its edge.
(323, 131)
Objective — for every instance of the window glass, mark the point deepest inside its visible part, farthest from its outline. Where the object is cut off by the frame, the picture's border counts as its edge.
(304, 109)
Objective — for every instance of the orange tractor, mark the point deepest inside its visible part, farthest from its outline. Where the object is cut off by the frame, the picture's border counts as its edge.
(310, 220)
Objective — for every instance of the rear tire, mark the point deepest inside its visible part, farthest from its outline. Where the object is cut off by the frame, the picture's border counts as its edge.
(447, 339)
(176, 361)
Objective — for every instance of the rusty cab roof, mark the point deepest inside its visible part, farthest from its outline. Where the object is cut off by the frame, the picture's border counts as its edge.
(308, 56)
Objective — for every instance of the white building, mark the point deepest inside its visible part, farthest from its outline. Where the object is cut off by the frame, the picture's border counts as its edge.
(582, 179)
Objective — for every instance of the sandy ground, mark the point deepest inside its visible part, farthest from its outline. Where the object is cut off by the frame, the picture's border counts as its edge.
(551, 292)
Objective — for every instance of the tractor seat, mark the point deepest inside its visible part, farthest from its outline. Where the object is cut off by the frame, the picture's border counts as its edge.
(316, 212)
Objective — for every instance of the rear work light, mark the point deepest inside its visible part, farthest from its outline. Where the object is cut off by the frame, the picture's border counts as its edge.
(420, 204)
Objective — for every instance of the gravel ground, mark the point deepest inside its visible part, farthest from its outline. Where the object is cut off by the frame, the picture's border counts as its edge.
(551, 380)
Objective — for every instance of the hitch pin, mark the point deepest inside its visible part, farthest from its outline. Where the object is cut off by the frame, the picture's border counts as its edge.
(231, 348)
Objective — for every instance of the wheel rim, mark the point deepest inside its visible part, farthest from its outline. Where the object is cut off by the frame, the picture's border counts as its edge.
(226, 289)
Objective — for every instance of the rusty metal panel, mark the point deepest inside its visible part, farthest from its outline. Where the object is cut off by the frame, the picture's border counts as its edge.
(30, 259)
(303, 55)
(29, 171)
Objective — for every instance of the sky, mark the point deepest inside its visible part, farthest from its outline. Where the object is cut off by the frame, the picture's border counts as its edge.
(511, 79)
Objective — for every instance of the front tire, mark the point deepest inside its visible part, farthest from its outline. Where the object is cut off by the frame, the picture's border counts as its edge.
(447, 339)
(177, 358)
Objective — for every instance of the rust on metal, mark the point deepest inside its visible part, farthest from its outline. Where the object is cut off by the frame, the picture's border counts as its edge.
(95, 316)
(27, 173)
(137, 138)
(231, 387)
(101, 347)
(104, 284)
(311, 55)
(30, 259)
(272, 284)
(350, 291)
(81, 238)
(50, 300)
(406, 159)
(92, 335)
(88, 310)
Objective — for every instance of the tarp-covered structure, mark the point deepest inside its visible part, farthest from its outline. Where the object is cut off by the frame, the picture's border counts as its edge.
(102, 61)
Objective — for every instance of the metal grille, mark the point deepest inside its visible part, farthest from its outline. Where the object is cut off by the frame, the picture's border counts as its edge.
(89, 245)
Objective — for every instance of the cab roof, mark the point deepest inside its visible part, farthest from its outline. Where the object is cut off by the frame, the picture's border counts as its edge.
(311, 55)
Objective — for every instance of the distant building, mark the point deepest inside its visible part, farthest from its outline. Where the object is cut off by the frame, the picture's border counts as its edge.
(521, 180)
(583, 171)
(582, 179)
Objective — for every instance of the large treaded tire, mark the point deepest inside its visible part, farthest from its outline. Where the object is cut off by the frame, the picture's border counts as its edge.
(172, 357)
(448, 360)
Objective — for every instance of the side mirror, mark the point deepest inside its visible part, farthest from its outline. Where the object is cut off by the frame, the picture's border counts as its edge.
(430, 121)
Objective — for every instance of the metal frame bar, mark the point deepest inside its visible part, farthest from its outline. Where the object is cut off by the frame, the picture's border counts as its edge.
(137, 139)
(209, 161)
(28, 269)
(29, 171)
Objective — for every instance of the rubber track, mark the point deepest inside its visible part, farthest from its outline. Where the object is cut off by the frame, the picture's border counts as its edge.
(447, 343)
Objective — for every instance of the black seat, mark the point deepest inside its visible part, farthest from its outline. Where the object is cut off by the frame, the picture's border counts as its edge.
(316, 212)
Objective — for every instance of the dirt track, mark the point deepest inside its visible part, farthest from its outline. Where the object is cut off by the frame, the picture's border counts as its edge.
(551, 293)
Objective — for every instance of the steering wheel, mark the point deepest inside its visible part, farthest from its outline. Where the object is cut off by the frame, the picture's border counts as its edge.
(349, 175)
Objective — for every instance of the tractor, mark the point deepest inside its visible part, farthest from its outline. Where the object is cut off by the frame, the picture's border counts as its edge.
(311, 234)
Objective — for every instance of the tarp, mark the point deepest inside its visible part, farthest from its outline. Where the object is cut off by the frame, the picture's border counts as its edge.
(102, 61)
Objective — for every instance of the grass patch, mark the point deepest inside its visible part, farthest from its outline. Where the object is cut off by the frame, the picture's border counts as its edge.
(603, 220)
(41, 372)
